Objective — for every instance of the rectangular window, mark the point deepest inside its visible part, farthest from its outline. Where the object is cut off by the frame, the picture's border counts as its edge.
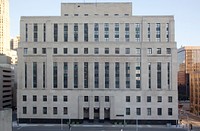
(159, 111)
(149, 31)
(35, 32)
(26, 32)
(138, 77)
(34, 110)
(34, 50)
(149, 51)
(116, 31)
(55, 32)
(168, 75)
(170, 111)
(96, 98)
(158, 50)
(65, 110)
(138, 98)
(127, 32)
(158, 32)
(159, 99)
(127, 74)
(107, 99)
(138, 51)
(149, 68)
(65, 74)
(65, 50)
(106, 74)
(148, 98)
(167, 32)
(159, 79)
(76, 32)
(85, 50)
(116, 50)
(55, 75)
(138, 111)
(128, 99)
(55, 99)
(86, 32)
(106, 31)
(65, 32)
(25, 68)
(34, 98)
(55, 50)
(44, 32)
(75, 50)
(106, 50)
(55, 110)
(34, 74)
(44, 74)
(127, 50)
(44, 110)
(128, 111)
(117, 75)
(44, 98)
(43, 50)
(168, 51)
(96, 32)
(148, 111)
(75, 74)
(24, 98)
(96, 75)
(24, 110)
(96, 50)
(170, 99)
(65, 98)
(86, 74)
(137, 32)
(25, 51)
(85, 98)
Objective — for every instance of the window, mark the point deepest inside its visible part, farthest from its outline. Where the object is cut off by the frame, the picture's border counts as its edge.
(65, 32)
(75, 50)
(128, 99)
(138, 111)
(116, 50)
(55, 32)
(159, 111)
(148, 111)
(159, 75)
(106, 50)
(167, 32)
(44, 32)
(96, 75)
(138, 98)
(44, 76)
(34, 74)
(148, 98)
(75, 32)
(149, 68)
(138, 51)
(96, 50)
(44, 110)
(127, 50)
(55, 51)
(54, 98)
(137, 32)
(34, 110)
(45, 98)
(86, 32)
(159, 99)
(158, 32)
(75, 74)
(116, 31)
(117, 75)
(34, 50)
(35, 34)
(34, 98)
(138, 77)
(25, 74)
(85, 50)
(65, 50)
(127, 32)
(128, 111)
(169, 99)
(96, 98)
(86, 74)
(25, 51)
(106, 74)
(65, 110)
(26, 32)
(55, 110)
(96, 32)
(85, 98)
(149, 31)
(168, 51)
(55, 75)
(65, 99)
(24, 110)
(168, 75)
(43, 50)
(158, 50)
(24, 98)
(149, 51)
(107, 99)
(65, 74)
(106, 31)
(170, 111)
(127, 74)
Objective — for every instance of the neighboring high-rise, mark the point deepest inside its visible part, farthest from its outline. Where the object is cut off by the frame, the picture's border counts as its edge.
(97, 62)
(189, 76)
(4, 27)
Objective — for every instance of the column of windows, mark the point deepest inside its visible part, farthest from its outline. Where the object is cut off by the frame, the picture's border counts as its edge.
(65, 75)
(35, 32)
(117, 75)
(96, 32)
(106, 31)
(127, 32)
(96, 75)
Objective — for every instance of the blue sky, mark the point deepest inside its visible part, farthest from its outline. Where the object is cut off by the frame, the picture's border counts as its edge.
(186, 13)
